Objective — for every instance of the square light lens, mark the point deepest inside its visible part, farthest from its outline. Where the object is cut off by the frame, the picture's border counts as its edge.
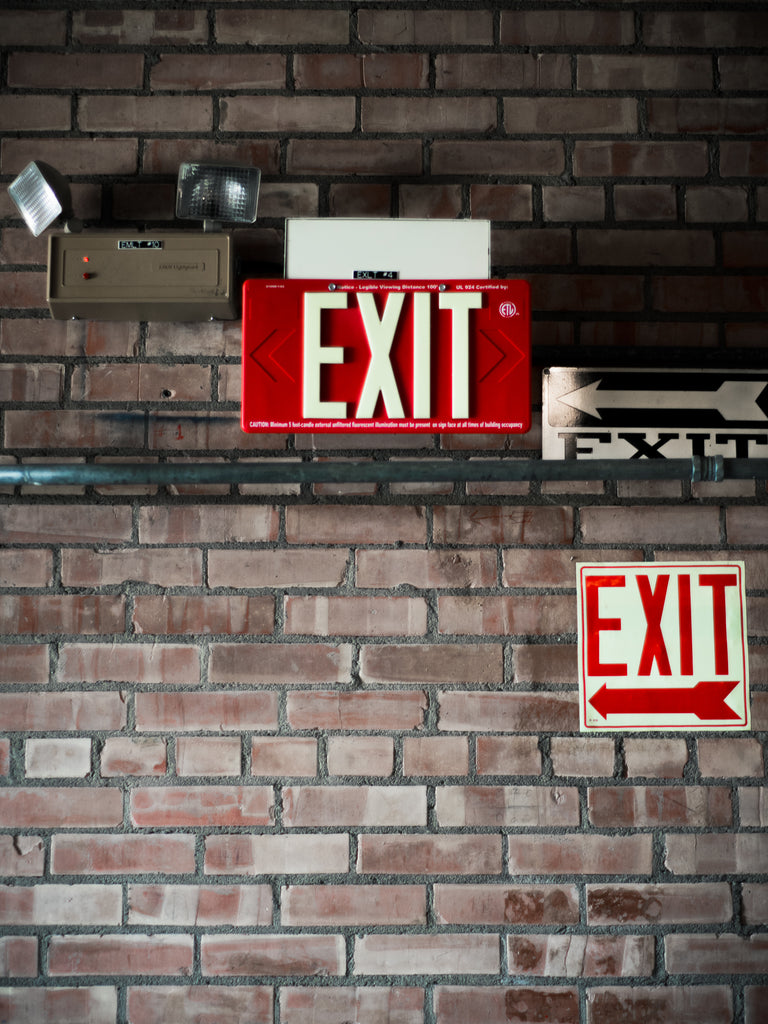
(35, 199)
(214, 192)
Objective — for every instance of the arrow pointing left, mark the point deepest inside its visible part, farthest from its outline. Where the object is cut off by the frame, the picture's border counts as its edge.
(270, 345)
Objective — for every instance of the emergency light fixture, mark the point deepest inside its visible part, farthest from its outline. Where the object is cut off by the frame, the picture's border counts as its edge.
(41, 196)
(131, 274)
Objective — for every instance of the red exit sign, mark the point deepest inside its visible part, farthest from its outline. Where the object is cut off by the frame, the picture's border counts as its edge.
(357, 355)
(663, 646)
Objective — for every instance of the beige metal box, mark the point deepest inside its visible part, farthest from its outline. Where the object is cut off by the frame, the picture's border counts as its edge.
(124, 275)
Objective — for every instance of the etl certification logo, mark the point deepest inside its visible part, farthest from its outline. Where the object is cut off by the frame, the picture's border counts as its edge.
(662, 646)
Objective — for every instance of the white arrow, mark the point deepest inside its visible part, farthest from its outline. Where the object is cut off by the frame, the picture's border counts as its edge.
(734, 399)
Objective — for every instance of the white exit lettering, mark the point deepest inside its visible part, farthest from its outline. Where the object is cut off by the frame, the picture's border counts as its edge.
(380, 331)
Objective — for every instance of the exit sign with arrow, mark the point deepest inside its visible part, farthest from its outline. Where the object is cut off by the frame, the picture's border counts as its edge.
(662, 646)
(654, 414)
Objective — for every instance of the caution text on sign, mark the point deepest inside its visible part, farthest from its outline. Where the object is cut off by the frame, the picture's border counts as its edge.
(662, 646)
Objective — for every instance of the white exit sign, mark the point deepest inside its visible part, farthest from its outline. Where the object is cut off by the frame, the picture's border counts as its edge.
(662, 646)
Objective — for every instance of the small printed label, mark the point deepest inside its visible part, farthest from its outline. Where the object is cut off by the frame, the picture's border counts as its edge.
(140, 243)
(376, 275)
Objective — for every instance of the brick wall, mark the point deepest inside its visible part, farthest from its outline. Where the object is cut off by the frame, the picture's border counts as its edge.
(311, 753)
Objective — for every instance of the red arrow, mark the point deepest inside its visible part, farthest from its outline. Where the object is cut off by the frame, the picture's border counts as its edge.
(505, 352)
(705, 700)
(277, 339)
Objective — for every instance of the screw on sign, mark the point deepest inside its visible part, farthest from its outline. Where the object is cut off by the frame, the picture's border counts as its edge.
(662, 646)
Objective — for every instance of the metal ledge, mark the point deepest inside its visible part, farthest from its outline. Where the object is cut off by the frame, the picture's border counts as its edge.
(272, 471)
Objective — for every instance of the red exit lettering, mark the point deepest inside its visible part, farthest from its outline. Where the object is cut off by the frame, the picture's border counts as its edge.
(653, 593)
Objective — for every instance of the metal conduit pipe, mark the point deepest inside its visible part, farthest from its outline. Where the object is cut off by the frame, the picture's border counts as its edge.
(272, 471)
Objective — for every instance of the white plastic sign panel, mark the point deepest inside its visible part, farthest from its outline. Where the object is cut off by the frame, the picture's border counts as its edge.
(653, 414)
(387, 249)
(662, 646)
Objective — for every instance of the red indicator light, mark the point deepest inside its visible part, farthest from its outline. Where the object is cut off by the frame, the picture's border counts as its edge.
(86, 259)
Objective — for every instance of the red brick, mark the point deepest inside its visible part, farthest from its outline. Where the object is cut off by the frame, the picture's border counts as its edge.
(163, 156)
(68, 338)
(644, 72)
(21, 856)
(426, 954)
(493, 614)
(24, 664)
(435, 755)
(502, 525)
(338, 806)
(276, 854)
(54, 807)
(502, 202)
(285, 955)
(185, 806)
(71, 711)
(715, 203)
(20, 383)
(508, 712)
(354, 524)
(581, 955)
(722, 29)
(637, 1004)
(220, 71)
(34, 28)
(21, 290)
(252, 1003)
(122, 854)
(97, 1004)
(588, 756)
(207, 524)
(460, 806)
(743, 159)
(73, 428)
(645, 202)
(499, 1005)
(366, 616)
(191, 614)
(702, 294)
(36, 113)
(62, 614)
(374, 1004)
(498, 157)
(494, 71)
(755, 1002)
(354, 156)
(72, 156)
(652, 248)
(755, 902)
(429, 855)
(122, 755)
(282, 27)
(18, 958)
(365, 71)
(431, 663)
(283, 756)
(717, 854)
(5, 756)
(431, 115)
(508, 755)
(753, 805)
(312, 567)
(357, 905)
(361, 755)
(640, 159)
(26, 568)
(120, 954)
(428, 201)
(57, 758)
(657, 758)
(174, 567)
(204, 905)
(140, 28)
(282, 664)
(141, 383)
(218, 756)
(78, 70)
(404, 28)
(699, 902)
(572, 28)
(652, 524)
(575, 854)
(152, 665)
(715, 954)
(295, 113)
(678, 116)
(61, 904)
(642, 806)
(573, 202)
(726, 758)
(506, 904)
(319, 709)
